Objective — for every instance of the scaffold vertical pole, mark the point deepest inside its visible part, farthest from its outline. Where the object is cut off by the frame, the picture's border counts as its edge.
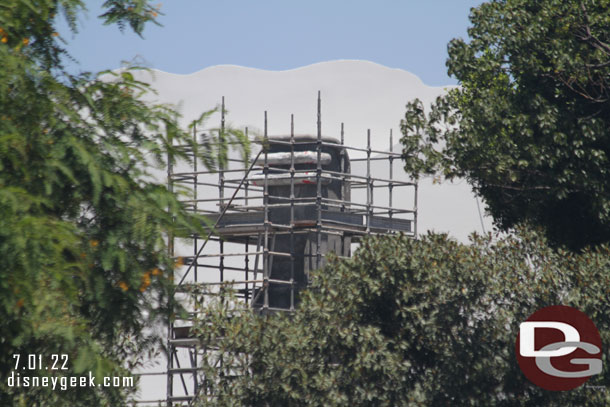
(368, 182)
(266, 219)
(170, 251)
(195, 207)
(344, 187)
(343, 170)
(319, 186)
(247, 239)
(222, 159)
(292, 284)
(195, 245)
(415, 212)
(391, 184)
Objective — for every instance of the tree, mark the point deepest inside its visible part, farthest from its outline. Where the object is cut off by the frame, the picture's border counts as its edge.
(406, 322)
(529, 125)
(84, 265)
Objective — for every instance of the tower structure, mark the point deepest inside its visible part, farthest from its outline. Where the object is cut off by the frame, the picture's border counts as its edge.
(274, 220)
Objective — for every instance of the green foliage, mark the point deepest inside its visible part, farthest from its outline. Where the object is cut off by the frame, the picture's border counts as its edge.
(405, 322)
(528, 127)
(84, 264)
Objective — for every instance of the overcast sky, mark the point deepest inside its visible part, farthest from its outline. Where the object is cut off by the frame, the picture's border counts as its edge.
(279, 34)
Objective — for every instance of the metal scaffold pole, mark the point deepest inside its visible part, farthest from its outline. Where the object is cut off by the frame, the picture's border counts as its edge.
(319, 186)
(247, 240)
(391, 184)
(266, 220)
(369, 192)
(292, 198)
(170, 251)
(221, 181)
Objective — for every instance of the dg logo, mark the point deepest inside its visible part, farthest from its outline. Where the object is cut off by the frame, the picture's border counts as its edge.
(559, 348)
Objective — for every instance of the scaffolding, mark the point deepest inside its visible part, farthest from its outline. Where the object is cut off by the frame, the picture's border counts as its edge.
(272, 221)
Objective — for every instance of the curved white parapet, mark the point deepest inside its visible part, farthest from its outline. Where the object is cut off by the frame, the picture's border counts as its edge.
(361, 94)
(300, 157)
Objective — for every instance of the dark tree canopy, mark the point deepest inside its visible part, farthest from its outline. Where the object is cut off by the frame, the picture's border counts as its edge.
(404, 322)
(529, 126)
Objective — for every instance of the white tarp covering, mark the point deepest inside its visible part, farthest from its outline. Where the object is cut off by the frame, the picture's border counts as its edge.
(300, 157)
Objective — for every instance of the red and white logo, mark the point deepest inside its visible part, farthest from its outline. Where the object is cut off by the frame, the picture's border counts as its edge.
(559, 348)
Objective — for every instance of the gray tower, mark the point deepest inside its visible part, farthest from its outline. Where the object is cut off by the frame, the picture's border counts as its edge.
(293, 201)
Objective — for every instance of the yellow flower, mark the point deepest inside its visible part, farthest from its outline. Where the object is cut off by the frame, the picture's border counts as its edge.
(123, 285)
(94, 243)
(55, 34)
(156, 272)
(26, 41)
(4, 39)
(145, 281)
(179, 262)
